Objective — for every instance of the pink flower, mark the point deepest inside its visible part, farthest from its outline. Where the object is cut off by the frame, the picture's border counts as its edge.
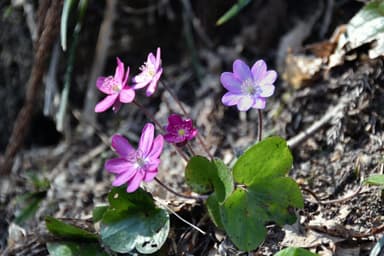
(116, 89)
(150, 73)
(134, 166)
(179, 131)
(248, 88)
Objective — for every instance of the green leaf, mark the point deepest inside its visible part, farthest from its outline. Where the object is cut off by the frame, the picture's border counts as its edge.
(268, 158)
(266, 196)
(213, 207)
(74, 249)
(68, 231)
(291, 251)
(234, 10)
(121, 200)
(138, 230)
(224, 184)
(200, 174)
(365, 27)
(375, 179)
(246, 211)
(68, 4)
(98, 213)
(33, 201)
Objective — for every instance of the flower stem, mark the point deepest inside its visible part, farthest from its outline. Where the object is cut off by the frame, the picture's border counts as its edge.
(191, 149)
(151, 117)
(186, 114)
(200, 197)
(260, 125)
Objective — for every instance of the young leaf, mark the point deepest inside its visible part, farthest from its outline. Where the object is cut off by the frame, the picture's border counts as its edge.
(291, 251)
(375, 179)
(68, 231)
(268, 158)
(234, 10)
(74, 249)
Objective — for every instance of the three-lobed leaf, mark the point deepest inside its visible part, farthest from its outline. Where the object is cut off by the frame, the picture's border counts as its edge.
(132, 222)
(265, 194)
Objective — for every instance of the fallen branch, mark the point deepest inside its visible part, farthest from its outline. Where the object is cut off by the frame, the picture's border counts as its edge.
(331, 112)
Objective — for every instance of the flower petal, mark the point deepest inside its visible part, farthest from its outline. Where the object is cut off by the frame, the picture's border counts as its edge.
(102, 86)
(267, 90)
(126, 77)
(122, 146)
(241, 70)
(269, 78)
(127, 95)
(173, 138)
(150, 175)
(124, 177)
(245, 103)
(175, 119)
(157, 147)
(158, 58)
(134, 183)
(106, 103)
(146, 139)
(151, 59)
(230, 82)
(259, 70)
(230, 99)
(141, 84)
(117, 165)
(153, 85)
(259, 103)
(119, 72)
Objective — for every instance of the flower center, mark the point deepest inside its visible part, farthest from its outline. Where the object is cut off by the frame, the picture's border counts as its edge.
(140, 162)
(148, 69)
(113, 84)
(181, 132)
(250, 88)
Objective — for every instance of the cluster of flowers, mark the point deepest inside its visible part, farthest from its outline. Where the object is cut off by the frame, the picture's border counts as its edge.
(247, 88)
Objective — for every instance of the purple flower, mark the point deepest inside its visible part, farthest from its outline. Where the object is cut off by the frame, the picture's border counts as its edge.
(179, 131)
(134, 166)
(116, 89)
(150, 73)
(248, 88)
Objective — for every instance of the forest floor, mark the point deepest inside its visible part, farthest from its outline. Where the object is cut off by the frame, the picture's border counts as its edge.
(338, 110)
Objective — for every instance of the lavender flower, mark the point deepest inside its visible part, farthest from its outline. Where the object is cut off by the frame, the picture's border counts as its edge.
(248, 88)
(179, 131)
(116, 89)
(150, 73)
(134, 166)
